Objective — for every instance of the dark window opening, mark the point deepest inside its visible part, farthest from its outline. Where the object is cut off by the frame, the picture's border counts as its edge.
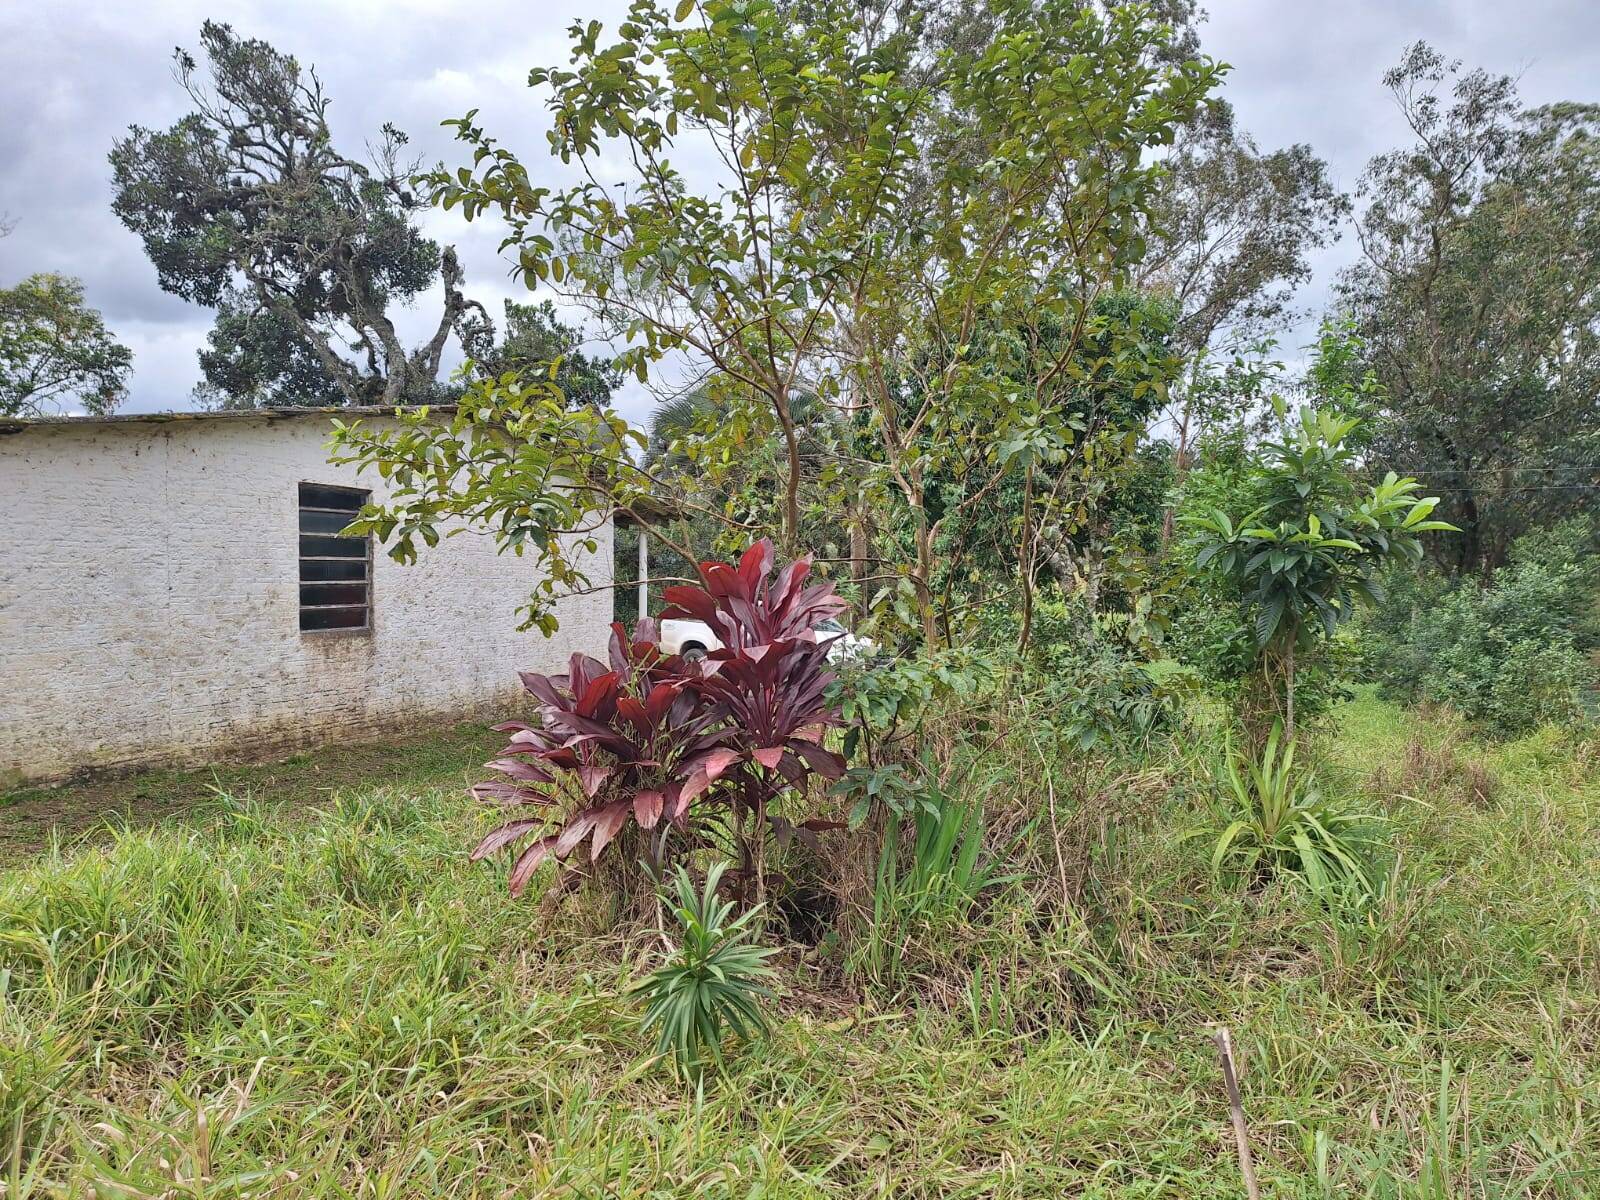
(335, 572)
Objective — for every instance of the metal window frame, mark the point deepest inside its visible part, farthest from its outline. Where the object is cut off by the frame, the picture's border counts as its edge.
(365, 629)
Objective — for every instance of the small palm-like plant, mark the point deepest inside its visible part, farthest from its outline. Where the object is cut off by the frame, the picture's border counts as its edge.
(713, 981)
(1282, 822)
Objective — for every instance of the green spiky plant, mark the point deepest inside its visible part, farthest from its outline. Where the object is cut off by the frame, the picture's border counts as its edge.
(1281, 822)
(712, 983)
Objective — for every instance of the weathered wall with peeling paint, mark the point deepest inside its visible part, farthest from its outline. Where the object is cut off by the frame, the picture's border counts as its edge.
(149, 604)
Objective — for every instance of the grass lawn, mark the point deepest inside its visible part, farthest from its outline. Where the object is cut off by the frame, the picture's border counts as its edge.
(341, 1006)
(31, 818)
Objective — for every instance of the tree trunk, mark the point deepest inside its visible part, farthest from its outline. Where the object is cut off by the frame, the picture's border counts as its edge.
(791, 488)
(1025, 561)
(1288, 692)
(1180, 468)
(858, 546)
(924, 581)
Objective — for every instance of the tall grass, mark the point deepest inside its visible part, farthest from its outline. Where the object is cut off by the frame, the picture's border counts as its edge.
(341, 1007)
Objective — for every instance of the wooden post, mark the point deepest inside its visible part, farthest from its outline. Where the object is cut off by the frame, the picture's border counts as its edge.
(644, 573)
(1241, 1133)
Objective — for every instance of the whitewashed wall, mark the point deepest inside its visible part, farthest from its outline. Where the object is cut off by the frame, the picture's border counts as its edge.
(149, 604)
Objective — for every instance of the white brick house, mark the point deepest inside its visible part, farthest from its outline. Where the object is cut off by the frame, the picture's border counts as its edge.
(169, 593)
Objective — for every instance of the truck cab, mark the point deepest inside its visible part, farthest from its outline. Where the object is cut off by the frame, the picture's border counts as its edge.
(694, 639)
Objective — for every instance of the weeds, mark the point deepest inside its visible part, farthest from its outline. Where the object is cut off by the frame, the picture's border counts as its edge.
(426, 1039)
(1280, 821)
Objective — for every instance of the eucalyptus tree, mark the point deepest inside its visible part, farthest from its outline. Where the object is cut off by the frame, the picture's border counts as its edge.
(1478, 296)
(246, 205)
(1232, 230)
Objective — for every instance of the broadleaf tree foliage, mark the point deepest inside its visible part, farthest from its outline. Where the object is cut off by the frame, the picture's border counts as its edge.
(55, 351)
(878, 205)
(513, 457)
(1479, 299)
(1313, 549)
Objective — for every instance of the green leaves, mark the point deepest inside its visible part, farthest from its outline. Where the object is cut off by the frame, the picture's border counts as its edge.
(1276, 821)
(1304, 559)
(513, 459)
(54, 349)
(712, 982)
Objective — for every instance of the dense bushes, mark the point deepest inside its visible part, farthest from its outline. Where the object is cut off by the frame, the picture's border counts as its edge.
(1515, 652)
(1095, 673)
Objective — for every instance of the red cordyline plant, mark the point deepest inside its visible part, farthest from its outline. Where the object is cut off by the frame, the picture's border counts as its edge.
(673, 745)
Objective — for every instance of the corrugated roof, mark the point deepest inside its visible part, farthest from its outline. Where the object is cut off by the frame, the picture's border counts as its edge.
(23, 424)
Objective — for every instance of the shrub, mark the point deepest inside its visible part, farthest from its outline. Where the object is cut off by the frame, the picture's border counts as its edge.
(1303, 559)
(1514, 653)
(1278, 822)
(711, 982)
(666, 744)
(1094, 669)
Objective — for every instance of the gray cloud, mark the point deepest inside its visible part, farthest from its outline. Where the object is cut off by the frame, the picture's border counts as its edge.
(75, 75)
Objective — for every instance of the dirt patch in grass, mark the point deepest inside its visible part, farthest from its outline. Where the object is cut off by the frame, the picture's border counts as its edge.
(77, 812)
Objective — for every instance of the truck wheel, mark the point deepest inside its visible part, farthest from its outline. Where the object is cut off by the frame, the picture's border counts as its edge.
(693, 652)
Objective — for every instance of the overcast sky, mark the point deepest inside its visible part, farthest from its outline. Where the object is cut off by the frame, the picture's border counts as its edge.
(74, 75)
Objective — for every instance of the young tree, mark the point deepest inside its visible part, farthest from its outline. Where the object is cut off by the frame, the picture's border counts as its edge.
(1312, 550)
(877, 205)
(1479, 299)
(55, 350)
(245, 205)
(514, 458)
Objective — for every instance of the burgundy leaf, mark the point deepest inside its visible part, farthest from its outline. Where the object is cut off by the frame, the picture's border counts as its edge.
(788, 583)
(574, 832)
(824, 762)
(675, 805)
(502, 837)
(600, 689)
(660, 701)
(684, 601)
(520, 769)
(541, 688)
(607, 824)
(718, 761)
(561, 756)
(616, 649)
(647, 808)
(506, 792)
(692, 787)
(634, 712)
(720, 579)
(591, 776)
(755, 564)
(528, 862)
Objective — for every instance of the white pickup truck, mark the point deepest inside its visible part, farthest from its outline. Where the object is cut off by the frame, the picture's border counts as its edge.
(694, 639)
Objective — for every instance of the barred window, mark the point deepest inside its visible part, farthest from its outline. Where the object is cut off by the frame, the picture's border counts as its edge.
(335, 572)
